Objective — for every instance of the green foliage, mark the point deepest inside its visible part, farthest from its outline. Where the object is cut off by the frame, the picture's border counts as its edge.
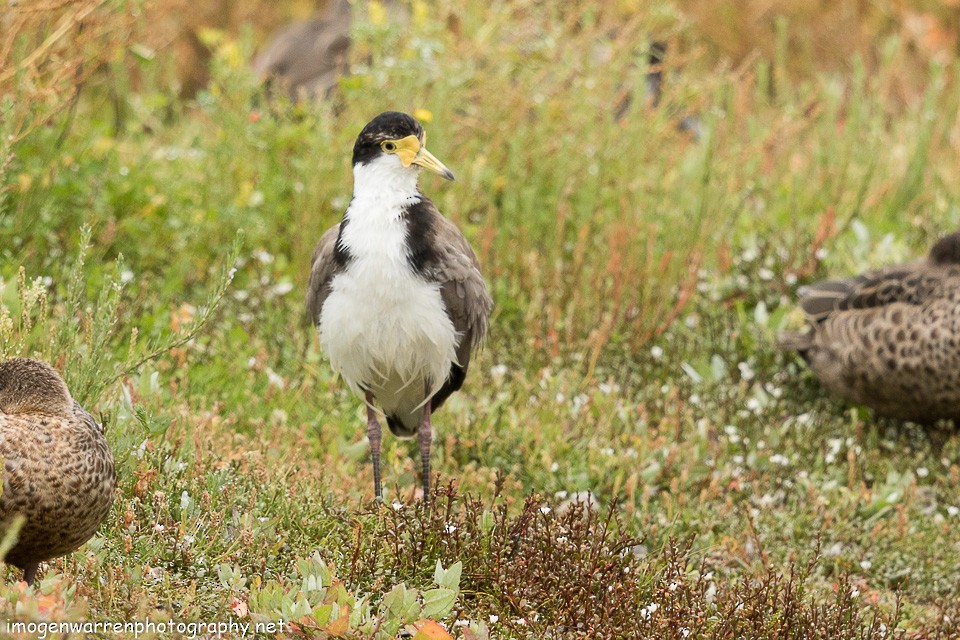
(83, 334)
(321, 602)
(629, 395)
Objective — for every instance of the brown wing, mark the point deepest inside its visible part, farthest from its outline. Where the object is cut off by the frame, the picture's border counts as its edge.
(324, 267)
(454, 266)
(899, 359)
(913, 283)
(16, 474)
(908, 285)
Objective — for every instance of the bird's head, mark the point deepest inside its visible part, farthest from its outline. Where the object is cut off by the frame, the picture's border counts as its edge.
(396, 142)
(31, 386)
(947, 250)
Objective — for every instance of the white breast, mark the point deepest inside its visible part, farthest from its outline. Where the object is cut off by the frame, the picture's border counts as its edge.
(382, 326)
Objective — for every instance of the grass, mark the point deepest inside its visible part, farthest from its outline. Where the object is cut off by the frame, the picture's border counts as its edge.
(639, 277)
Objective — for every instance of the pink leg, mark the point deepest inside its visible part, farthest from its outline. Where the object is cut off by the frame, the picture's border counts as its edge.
(375, 436)
(424, 436)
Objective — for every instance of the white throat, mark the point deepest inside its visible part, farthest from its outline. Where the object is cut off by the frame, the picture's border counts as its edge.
(383, 186)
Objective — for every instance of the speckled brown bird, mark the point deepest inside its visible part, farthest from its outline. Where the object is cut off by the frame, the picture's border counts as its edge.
(889, 339)
(58, 470)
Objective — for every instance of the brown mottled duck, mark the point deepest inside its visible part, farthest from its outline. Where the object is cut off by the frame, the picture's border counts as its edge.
(58, 470)
(889, 339)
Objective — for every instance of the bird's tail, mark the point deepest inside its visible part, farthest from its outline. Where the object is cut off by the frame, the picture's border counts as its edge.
(820, 299)
(404, 426)
(799, 341)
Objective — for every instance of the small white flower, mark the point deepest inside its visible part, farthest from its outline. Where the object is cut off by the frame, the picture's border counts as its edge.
(865, 564)
(656, 352)
(711, 593)
(498, 370)
(262, 256)
(274, 379)
(952, 510)
(282, 288)
(494, 618)
(545, 509)
(923, 472)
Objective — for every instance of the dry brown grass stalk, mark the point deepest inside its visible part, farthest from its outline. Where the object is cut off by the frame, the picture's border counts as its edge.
(50, 48)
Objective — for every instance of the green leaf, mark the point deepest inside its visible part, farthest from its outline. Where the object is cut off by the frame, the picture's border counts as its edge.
(487, 521)
(402, 603)
(322, 614)
(451, 577)
(438, 602)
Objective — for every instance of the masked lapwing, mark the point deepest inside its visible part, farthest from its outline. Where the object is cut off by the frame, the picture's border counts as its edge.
(889, 339)
(59, 476)
(396, 290)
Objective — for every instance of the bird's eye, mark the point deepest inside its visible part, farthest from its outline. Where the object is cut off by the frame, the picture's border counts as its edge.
(389, 146)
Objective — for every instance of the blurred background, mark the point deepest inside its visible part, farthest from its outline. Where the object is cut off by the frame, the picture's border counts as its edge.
(646, 183)
(595, 126)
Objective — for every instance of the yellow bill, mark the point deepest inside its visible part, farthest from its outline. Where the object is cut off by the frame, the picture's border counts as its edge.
(412, 152)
